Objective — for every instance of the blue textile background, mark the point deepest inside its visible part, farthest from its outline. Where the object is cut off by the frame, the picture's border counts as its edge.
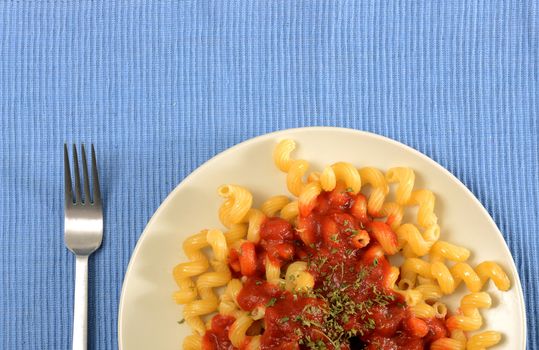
(161, 86)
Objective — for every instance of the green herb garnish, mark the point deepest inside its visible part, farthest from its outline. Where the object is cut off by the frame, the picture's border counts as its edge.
(271, 302)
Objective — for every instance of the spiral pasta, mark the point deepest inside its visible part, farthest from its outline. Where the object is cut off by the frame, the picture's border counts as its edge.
(237, 332)
(237, 203)
(205, 283)
(294, 177)
(394, 213)
(425, 200)
(471, 319)
(192, 342)
(228, 304)
(183, 272)
(341, 172)
(281, 154)
(274, 205)
(235, 233)
(273, 271)
(376, 179)
(290, 211)
(298, 278)
(483, 340)
(444, 250)
(254, 219)
(419, 243)
(307, 197)
(405, 177)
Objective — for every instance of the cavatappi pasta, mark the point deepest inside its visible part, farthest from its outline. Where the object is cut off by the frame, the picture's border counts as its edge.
(310, 270)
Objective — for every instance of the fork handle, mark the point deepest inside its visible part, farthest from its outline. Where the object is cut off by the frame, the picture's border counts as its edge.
(80, 315)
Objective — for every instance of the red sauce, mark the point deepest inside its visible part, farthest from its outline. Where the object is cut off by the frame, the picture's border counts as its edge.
(351, 297)
(216, 338)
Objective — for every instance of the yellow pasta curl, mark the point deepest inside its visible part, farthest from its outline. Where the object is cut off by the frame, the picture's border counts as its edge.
(307, 197)
(208, 302)
(273, 271)
(298, 278)
(445, 279)
(340, 172)
(328, 180)
(290, 211)
(470, 319)
(394, 213)
(376, 179)
(405, 178)
(489, 269)
(185, 271)
(294, 177)
(274, 205)
(430, 292)
(238, 201)
(216, 239)
(229, 304)
(425, 199)
(314, 177)
(444, 250)
(207, 281)
(483, 340)
(254, 343)
(447, 344)
(192, 342)
(413, 267)
(254, 218)
(464, 272)
(423, 310)
(420, 244)
(235, 233)
(281, 154)
(237, 332)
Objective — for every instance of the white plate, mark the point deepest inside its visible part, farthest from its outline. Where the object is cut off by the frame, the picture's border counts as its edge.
(148, 316)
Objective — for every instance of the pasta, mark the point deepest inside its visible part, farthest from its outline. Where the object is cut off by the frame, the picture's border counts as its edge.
(375, 178)
(294, 177)
(274, 205)
(483, 340)
(471, 319)
(425, 200)
(290, 211)
(237, 204)
(340, 172)
(298, 278)
(281, 154)
(419, 243)
(207, 281)
(254, 218)
(405, 177)
(394, 213)
(239, 329)
(184, 271)
(313, 271)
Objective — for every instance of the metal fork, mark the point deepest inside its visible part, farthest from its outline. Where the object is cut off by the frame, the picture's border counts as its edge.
(83, 232)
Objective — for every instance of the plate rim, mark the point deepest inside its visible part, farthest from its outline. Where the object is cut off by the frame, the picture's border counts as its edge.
(185, 181)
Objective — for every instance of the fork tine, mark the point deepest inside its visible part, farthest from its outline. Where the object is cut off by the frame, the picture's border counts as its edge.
(86, 179)
(95, 177)
(68, 191)
(78, 197)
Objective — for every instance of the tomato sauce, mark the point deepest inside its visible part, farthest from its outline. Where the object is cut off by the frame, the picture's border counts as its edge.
(216, 338)
(351, 305)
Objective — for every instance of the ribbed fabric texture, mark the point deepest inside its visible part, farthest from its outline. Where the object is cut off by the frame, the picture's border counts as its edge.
(161, 86)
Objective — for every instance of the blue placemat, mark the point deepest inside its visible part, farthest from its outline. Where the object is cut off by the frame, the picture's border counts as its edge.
(161, 86)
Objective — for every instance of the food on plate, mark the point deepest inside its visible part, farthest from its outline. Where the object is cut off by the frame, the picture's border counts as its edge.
(313, 271)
